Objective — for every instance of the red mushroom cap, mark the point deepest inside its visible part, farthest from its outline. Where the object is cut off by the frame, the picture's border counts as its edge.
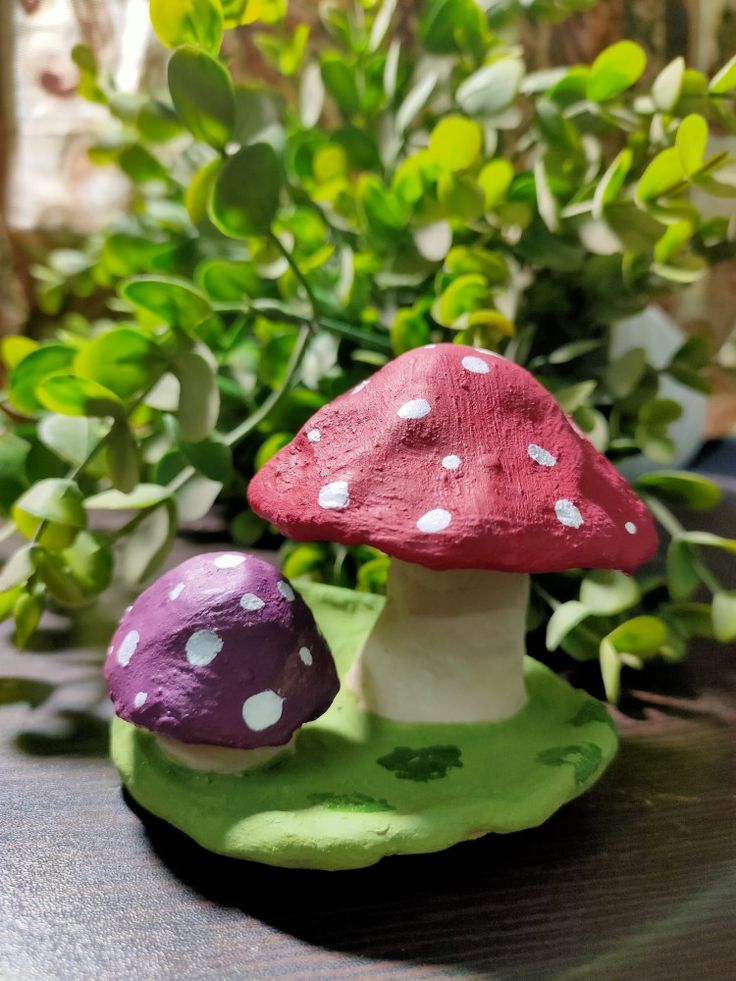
(455, 458)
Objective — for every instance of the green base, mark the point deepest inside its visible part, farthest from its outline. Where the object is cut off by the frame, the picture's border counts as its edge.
(360, 787)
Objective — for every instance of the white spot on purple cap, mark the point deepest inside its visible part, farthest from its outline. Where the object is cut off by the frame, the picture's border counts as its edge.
(306, 655)
(334, 496)
(177, 591)
(251, 602)
(414, 409)
(127, 647)
(434, 521)
(568, 514)
(263, 710)
(140, 699)
(203, 647)
(286, 591)
(477, 365)
(229, 560)
(541, 456)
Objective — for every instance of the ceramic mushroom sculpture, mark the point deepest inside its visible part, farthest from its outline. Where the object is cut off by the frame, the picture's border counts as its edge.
(223, 661)
(461, 466)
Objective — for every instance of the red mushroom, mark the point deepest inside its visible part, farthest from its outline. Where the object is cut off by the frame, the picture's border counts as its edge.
(461, 466)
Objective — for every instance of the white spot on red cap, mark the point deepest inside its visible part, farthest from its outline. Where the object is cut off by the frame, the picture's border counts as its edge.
(360, 386)
(286, 591)
(314, 435)
(203, 647)
(477, 365)
(541, 456)
(229, 560)
(263, 710)
(140, 699)
(177, 591)
(251, 602)
(334, 496)
(127, 647)
(451, 462)
(568, 514)
(306, 655)
(414, 409)
(631, 527)
(434, 521)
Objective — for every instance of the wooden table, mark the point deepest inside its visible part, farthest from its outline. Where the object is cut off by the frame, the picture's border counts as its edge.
(637, 880)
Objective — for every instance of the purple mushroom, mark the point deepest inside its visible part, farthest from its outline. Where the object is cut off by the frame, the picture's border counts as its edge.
(222, 660)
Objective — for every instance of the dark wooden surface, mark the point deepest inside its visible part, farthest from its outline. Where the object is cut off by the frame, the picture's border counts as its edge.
(637, 880)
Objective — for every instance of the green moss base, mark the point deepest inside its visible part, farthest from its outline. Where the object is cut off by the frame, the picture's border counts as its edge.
(359, 787)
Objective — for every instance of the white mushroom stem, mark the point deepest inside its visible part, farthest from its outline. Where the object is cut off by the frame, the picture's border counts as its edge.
(222, 759)
(447, 647)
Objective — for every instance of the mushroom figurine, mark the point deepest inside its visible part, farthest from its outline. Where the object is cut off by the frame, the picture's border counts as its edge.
(464, 469)
(222, 660)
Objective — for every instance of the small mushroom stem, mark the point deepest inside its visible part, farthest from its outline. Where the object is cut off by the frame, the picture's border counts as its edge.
(448, 647)
(222, 759)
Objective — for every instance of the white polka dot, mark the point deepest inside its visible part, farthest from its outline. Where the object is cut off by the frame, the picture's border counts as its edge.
(128, 609)
(229, 561)
(541, 456)
(451, 462)
(305, 654)
(360, 386)
(203, 647)
(334, 496)
(251, 602)
(262, 710)
(127, 647)
(286, 591)
(314, 435)
(429, 347)
(493, 354)
(568, 514)
(416, 409)
(177, 591)
(476, 365)
(631, 527)
(140, 699)
(433, 521)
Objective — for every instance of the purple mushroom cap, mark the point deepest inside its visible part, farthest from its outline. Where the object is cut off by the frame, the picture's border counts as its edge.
(220, 651)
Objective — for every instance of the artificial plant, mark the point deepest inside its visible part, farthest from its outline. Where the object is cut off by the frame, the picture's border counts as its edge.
(396, 186)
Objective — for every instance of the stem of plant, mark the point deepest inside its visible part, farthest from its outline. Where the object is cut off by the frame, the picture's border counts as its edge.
(673, 528)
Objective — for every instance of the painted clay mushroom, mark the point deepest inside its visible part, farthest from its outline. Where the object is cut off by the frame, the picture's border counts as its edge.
(461, 466)
(222, 660)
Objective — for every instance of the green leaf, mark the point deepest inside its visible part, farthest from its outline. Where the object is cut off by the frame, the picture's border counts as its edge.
(565, 618)
(668, 85)
(174, 301)
(13, 476)
(18, 567)
(247, 528)
(408, 330)
(692, 618)
(415, 101)
(574, 349)
(55, 503)
(612, 182)
(70, 437)
(144, 496)
(455, 143)
(461, 196)
(141, 165)
(199, 398)
(202, 93)
(690, 489)
(691, 141)
(157, 122)
(195, 498)
(90, 561)
(270, 447)
(228, 281)
(123, 360)
(32, 370)
(449, 26)
(197, 194)
(708, 540)
(302, 561)
(725, 79)
(664, 173)
(572, 397)
(121, 451)
(495, 179)
(24, 690)
(642, 636)
(147, 546)
(606, 592)
(340, 81)
(624, 373)
(610, 664)
(245, 197)
(72, 396)
(615, 69)
(465, 294)
(27, 614)
(546, 203)
(196, 22)
(14, 347)
(678, 234)
(211, 457)
(490, 89)
(682, 575)
(724, 616)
